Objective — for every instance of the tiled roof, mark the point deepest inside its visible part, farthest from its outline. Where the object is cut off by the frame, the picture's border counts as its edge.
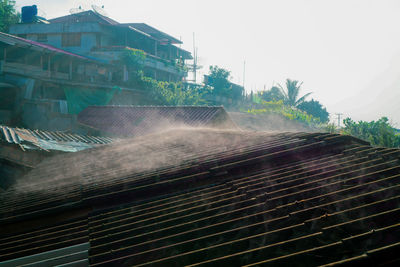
(141, 120)
(47, 140)
(252, 199)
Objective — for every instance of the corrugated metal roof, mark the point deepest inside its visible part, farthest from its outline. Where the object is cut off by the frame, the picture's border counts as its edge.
(88, 14)
(141, 120)
(47, 140)
(251, 199)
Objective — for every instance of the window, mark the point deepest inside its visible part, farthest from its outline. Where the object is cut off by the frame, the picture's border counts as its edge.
(42, 38)
(71, 39)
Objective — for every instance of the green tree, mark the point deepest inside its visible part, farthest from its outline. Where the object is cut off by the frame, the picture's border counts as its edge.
(273, 94)
(172, 93)
(378, 133)
(218, 79)
(291, 93)
(134, 59)
(315, 109)
(8, 15)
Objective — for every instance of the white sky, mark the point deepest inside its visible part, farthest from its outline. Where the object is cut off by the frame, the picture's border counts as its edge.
(347, 52)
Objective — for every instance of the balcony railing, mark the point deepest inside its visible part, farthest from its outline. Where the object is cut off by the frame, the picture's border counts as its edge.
(163, 65)
(113, 53)
(30, 70)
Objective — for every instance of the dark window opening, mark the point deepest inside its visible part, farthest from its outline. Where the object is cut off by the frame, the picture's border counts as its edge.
(71, 39)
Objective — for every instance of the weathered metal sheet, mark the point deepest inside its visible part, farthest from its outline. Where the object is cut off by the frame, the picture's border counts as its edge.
(47, 140)
(142, 120)
(256, 199)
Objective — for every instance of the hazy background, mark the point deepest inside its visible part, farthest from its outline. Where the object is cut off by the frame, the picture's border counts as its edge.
(347, 52)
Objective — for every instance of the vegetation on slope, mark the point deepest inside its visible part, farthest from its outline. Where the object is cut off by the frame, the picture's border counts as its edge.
(378, 133)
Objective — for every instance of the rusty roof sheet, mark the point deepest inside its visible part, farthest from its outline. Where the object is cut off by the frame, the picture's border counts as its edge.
(48, 140)
(255, 199)
(141, 120)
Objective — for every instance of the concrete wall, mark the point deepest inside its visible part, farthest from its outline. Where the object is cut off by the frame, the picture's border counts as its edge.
(88, 41)
(54, 32)
(52, 39)
(42, 115)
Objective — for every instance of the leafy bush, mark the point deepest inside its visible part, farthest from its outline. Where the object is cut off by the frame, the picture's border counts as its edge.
(315, 109)
(288, 112)
(378, 133)
(218, 79)
(273, 94)
(173, 93)
(133, 58)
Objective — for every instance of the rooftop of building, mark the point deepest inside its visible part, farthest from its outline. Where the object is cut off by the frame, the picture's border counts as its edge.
(142, 120)
(91, 16)
(208, 197)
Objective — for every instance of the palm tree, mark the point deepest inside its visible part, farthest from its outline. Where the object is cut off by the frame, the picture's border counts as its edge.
(290, 95)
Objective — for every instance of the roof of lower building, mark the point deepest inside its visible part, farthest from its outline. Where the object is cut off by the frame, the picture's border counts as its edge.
(141, 120)
(48, 140)
(197, 197)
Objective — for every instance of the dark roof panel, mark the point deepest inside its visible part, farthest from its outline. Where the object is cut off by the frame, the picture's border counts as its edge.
(207, 198)
(141, 120)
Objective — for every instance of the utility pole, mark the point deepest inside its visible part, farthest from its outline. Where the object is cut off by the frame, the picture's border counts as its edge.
(338, 118)
(244, 71)
(194, 60)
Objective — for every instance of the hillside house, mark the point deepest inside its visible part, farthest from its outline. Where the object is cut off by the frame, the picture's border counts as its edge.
(93, 35)
(42, 86)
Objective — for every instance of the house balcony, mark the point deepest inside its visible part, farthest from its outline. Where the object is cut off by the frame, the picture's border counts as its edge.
(165, 65)
(113, 54)
(30, 70)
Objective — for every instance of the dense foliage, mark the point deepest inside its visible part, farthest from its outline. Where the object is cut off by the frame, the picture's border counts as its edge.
(8, 15)
(293, 104)
(315, 109)
(273, 94)
(134, 58)
(378, 133)
(218, 81)
(289, 95)
(278, 107)
(173, 93)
